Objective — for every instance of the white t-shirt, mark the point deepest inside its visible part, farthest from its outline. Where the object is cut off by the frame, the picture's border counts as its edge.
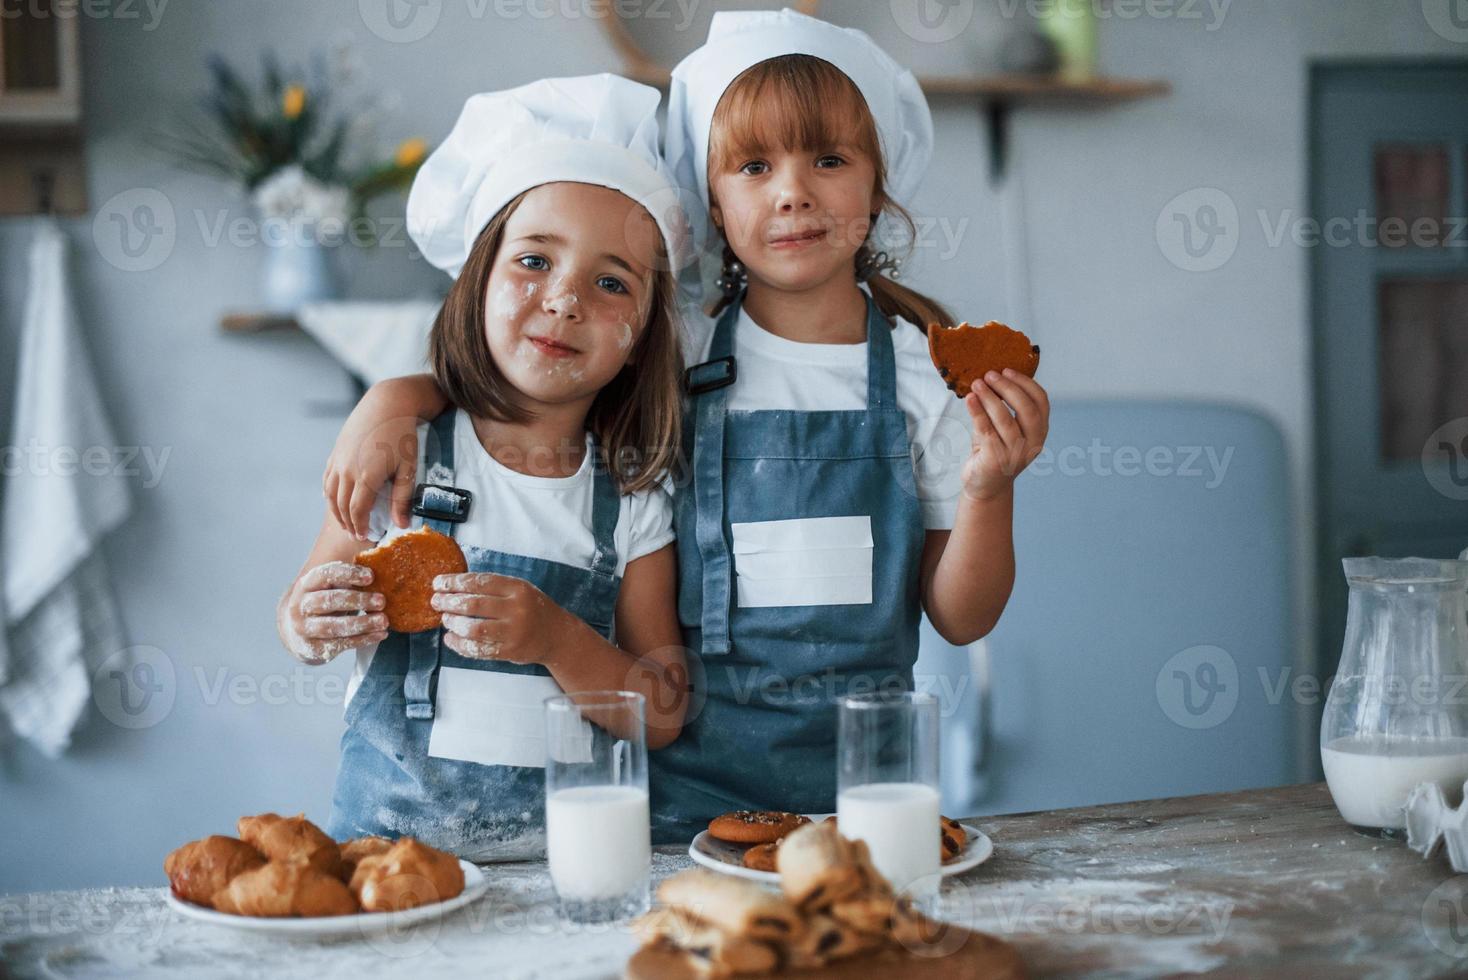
(541, 517)
(775, 373)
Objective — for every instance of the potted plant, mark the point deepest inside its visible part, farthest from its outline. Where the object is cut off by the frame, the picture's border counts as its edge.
(294, 145)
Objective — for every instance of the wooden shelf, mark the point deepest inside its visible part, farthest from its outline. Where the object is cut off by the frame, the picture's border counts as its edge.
(1000, 95)
(1046, 89)
(257, 323)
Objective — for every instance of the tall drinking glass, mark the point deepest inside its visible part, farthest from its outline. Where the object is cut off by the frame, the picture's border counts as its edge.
(887, 785)
(597, 828)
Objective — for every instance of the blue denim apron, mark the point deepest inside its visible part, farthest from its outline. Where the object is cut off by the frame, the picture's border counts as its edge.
(761, 732)
(387, 784)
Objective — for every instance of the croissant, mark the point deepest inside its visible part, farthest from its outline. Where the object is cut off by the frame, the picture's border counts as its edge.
(200, 868)
(356, 849)
(406, 875)
(292, 839)
(286, 888)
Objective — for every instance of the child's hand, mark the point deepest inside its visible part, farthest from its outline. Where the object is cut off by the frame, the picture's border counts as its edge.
(1004, 443)
(497, 617)
(331, 609)
(371, 450)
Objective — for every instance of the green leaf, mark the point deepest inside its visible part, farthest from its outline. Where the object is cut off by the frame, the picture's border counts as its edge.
(274, 86)
(326, 163)
(228, 89)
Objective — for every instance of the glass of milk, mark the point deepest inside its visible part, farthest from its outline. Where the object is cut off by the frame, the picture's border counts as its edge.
(887, 785)
(1397, 714)
(598, 836)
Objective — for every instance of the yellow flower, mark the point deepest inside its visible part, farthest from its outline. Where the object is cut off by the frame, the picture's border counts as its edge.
(294, 101)
(411, 152)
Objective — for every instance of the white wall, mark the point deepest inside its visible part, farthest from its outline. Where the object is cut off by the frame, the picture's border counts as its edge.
(201, 564)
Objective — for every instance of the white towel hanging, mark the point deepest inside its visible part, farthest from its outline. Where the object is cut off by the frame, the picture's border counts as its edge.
(60, 616)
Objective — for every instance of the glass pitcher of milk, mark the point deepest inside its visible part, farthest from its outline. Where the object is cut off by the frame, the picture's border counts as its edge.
(1397, 714)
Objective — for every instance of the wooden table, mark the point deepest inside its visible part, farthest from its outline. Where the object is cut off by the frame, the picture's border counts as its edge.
(1265, 883)
(1262, 883)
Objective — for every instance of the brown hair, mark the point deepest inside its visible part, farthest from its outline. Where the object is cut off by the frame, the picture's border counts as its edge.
(636, 417)
(802, 102)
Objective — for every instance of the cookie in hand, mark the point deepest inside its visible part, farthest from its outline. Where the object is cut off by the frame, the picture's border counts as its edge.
(965, 353)
(403, 570)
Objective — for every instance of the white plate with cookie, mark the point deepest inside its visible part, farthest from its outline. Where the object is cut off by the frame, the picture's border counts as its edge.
(728, 858)
(362, 923)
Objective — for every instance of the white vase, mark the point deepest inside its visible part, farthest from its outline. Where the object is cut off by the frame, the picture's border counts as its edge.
(297, 271)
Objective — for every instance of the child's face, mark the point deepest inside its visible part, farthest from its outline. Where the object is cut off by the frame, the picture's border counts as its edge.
(795, 218)
(570, 290)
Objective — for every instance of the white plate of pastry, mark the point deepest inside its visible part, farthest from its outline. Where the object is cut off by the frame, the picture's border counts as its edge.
(284, 876)
(964, 850)
(475, 885)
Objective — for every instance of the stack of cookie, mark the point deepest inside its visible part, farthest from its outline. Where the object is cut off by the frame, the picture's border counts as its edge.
(833, 905)
(761, 832)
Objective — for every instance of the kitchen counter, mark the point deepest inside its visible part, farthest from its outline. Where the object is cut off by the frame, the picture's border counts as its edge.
(1258, 883)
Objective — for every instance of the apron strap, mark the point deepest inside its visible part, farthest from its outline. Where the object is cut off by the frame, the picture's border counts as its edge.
(881, 362)
(708, 484)
(606, 503)
(424, 647)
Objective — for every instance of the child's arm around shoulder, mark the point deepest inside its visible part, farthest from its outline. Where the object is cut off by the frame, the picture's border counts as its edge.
(330, 607)
(378, 444)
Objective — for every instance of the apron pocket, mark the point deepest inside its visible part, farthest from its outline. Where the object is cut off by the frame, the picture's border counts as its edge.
(496, 719)
(815, 561)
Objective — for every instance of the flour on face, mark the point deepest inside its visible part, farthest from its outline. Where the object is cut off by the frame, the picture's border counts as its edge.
(506, 302)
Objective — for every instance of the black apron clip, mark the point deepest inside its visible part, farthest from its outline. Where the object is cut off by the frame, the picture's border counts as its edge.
(439, 503)
(710, 375)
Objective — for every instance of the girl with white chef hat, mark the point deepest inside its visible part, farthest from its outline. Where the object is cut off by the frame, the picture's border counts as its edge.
(838, 490)
(558, 348)
(808, 543)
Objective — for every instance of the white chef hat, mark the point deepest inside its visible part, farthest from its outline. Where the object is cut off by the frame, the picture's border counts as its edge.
(593, 129)
(738, 40)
